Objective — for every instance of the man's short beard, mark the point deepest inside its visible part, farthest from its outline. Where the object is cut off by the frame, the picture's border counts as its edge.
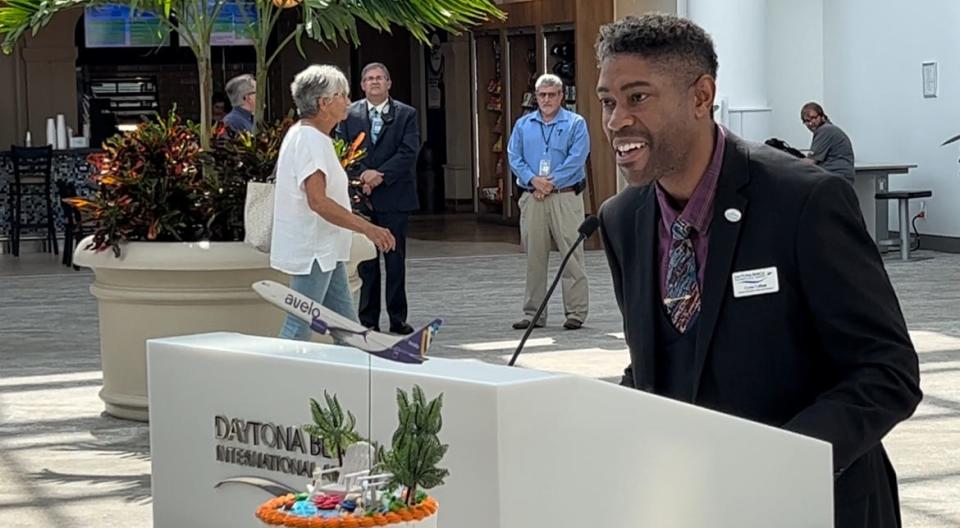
(664, 160)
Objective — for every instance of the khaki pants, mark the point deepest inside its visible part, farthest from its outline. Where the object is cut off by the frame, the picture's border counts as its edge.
(553, 221)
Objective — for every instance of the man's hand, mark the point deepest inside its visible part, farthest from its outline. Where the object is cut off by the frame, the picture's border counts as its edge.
(381, 237)
(542, 184)
(367, 189)
(371, 177)
(539, 196)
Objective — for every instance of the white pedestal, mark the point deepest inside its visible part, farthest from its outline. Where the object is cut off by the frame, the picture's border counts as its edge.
(527, 448)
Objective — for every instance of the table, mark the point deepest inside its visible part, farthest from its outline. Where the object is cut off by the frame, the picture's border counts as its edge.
(869, 179)
(68, 164)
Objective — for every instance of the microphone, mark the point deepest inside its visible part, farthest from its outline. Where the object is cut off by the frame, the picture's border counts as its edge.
(587, 228)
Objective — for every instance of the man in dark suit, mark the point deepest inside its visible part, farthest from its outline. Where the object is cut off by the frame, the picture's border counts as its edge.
(746, 278)
(388, 175)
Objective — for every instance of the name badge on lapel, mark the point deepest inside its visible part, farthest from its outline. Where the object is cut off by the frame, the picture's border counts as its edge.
(755, 282)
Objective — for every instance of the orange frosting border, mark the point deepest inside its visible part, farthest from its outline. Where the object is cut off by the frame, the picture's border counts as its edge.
(270, 513)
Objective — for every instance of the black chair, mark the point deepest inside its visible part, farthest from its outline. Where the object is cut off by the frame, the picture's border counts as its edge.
(74, 228)
(32, 175)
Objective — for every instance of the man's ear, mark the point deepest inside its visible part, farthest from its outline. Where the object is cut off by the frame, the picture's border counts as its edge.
(704, 93)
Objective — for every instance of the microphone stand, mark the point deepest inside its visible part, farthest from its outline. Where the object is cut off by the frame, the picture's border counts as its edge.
(546, 299)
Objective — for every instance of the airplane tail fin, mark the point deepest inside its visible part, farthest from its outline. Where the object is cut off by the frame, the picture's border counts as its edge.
(420, 340)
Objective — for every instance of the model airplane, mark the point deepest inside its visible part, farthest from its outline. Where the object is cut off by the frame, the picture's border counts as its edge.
(405, 349)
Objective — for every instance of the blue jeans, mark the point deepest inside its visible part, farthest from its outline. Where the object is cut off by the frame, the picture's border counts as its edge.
(330, 288)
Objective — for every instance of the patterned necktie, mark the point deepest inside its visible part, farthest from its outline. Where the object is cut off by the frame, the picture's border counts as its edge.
(376, 124)
(683, 291)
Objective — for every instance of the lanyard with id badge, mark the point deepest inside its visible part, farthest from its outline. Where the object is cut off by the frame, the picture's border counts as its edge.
(544, 169)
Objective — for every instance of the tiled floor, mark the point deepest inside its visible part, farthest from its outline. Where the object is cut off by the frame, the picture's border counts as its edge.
(62, 463)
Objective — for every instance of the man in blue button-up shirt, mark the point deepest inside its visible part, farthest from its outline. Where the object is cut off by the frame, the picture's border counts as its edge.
(547, 153)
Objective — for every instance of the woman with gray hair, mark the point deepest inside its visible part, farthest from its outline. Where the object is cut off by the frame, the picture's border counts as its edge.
(312, 219)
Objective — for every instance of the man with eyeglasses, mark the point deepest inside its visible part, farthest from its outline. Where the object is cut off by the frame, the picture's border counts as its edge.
(388, 175)
(831, 148)
(547, 153)
(242, 91)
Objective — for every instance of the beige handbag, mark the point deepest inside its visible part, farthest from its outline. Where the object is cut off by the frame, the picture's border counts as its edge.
(258, 215)
(361, 250)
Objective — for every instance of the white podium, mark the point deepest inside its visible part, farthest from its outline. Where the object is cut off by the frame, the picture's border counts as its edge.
(528, 449)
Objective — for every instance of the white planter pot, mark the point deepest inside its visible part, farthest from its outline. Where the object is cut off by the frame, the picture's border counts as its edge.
(162, 289)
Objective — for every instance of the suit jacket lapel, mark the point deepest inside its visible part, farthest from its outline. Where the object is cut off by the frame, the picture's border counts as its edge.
(646, 260)
(365, 123)
(388, 117)
(724, 236)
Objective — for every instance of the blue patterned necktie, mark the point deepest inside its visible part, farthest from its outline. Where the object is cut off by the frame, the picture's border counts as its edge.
(683, 291)
(376, 124)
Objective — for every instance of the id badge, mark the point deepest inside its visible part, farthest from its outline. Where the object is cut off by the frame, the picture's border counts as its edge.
(544, 167)
(756, 282)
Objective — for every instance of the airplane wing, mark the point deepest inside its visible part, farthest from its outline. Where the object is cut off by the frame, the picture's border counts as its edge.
(370, 341)
(405, 349)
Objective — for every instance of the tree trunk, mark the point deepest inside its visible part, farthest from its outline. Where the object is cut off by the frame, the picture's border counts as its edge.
(259, 114)
(411, 495)
(205, 70)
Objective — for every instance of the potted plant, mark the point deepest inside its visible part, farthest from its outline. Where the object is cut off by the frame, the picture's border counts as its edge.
(234, 160)
(165, 252)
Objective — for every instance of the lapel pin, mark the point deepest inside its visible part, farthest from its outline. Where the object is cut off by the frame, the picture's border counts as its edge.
(733, 215)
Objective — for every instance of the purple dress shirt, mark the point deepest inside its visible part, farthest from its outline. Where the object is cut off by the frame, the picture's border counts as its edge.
(698, 212)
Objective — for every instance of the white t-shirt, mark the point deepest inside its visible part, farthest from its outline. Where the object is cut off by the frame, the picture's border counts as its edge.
(300, 235)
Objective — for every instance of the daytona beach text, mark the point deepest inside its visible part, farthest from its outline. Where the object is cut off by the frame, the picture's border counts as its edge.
(269, 435)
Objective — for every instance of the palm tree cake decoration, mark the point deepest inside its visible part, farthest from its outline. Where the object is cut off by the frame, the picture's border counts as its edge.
(373, 485)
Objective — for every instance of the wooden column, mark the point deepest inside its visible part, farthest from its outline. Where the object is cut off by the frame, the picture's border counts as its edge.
(12, 99)
(458, 172)
(590, 15)
(50, 75)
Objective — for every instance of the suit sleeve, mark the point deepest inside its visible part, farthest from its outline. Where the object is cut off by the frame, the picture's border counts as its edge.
(860, 327)
(400, 166)
(615, 273)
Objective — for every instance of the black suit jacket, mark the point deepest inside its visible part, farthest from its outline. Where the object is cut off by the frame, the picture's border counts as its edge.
(394, 154)
(827, 356)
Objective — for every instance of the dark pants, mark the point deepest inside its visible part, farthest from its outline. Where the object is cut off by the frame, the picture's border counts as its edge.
(396, 268)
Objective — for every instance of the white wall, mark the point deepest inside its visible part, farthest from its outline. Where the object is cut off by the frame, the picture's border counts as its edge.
(794, 65)
(873, 50)
(739, 31)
